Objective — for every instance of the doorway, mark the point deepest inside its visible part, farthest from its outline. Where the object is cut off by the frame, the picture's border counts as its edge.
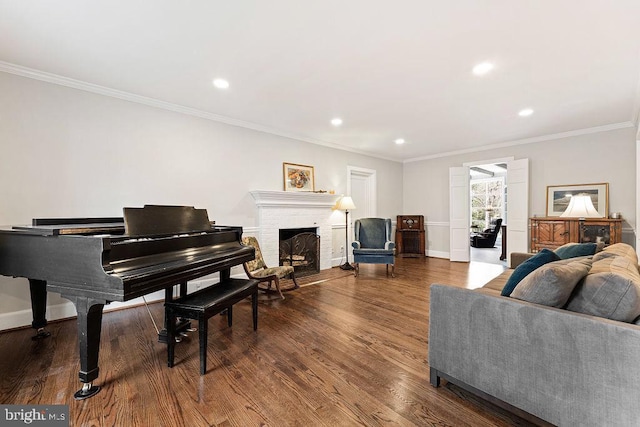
(460, 213)
(488, 203)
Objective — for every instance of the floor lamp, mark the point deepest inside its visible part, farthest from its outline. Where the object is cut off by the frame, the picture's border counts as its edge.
(344, 204)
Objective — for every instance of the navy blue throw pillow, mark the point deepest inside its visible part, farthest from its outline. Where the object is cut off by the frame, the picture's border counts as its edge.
(575, 250)
(538, 260)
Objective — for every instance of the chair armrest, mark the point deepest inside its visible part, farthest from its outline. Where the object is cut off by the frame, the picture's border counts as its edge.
(389, 245)
(355, 244)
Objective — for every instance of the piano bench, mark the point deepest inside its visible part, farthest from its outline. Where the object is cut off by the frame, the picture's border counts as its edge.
(205, 303)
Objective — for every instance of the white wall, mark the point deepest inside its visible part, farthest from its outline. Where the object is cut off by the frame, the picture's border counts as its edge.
(70, 153)
(597, 157)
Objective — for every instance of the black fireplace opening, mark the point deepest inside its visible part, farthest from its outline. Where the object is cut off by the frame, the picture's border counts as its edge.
(300, 248)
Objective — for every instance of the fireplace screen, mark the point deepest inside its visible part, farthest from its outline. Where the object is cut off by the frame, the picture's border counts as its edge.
(300, 248)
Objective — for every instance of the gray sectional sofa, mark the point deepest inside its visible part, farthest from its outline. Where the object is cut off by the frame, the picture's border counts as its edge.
(546, 363)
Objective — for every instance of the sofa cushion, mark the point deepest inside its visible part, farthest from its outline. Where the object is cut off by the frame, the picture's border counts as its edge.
(572, 250)
(552, 283)
(496, 284)
(610, 290)
(617, 249)
(520, 272)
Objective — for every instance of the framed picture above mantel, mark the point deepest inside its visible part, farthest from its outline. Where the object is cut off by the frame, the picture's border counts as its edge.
(298, 177)
(558, 197)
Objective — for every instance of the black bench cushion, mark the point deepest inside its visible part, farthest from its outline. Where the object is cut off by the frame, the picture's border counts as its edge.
(219, 294)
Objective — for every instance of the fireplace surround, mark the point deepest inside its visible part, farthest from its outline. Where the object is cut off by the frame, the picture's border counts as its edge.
(284, 210)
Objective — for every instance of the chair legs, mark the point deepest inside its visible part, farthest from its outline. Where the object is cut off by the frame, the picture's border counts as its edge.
(356, 267)
(278, 287)
(393, 268)
(293, 277)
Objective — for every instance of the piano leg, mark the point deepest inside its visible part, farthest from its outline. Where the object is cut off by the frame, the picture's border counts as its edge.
(183, 325)
(89, 330)
(38, 290)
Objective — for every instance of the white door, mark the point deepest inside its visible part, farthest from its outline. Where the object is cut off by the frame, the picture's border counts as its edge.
(459, 219)
(362, 189)
(517, 220)
(361, 186)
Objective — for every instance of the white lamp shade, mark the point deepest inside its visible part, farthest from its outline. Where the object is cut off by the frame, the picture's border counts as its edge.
(581, 206)
(345, 203)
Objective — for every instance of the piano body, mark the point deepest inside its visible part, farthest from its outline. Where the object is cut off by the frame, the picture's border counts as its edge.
(94, 261)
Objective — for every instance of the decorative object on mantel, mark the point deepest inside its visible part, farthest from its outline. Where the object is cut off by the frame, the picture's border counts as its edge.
(298, 177)
(344, 204)
(559, 197)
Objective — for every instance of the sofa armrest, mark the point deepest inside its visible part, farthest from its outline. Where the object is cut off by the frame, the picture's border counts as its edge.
(563, 367)
(389, 246)
(355, 244)
(518, 258)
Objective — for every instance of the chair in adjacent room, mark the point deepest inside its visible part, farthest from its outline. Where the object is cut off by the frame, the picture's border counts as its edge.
(257, 269)
(487, 239)
(372, 244)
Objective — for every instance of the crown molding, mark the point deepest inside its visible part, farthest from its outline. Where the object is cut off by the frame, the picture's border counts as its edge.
(561, 135)
(31, 73)
(44, 76)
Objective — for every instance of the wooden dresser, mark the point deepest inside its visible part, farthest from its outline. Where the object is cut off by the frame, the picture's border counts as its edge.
(410, 236)
(553, 232)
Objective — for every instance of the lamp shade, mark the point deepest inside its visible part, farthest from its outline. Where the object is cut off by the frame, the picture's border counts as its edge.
(581, 206)
(345, 203)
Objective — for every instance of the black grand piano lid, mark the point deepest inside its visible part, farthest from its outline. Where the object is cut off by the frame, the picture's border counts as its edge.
(155, 220)
(73, 226)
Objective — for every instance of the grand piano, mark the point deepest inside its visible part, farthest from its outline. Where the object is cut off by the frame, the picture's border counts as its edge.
(94, 261)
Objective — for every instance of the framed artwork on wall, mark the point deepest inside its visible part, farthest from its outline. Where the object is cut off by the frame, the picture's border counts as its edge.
(298, 177)
(558, 197)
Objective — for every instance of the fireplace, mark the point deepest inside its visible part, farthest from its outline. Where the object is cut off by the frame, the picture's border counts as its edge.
(300, 248)
(290, 209)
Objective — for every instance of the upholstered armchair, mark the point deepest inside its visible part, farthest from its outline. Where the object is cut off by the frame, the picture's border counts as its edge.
(258, 270)
(372, 244)
(487, 239)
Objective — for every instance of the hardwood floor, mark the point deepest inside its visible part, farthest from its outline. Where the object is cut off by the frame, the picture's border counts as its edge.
(339, 351)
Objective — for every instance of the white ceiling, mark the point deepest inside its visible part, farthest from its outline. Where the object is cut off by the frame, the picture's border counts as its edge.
(389, 69)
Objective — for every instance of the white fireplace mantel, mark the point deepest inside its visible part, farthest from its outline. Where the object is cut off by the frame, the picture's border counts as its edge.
(285, 209)
(293, 198)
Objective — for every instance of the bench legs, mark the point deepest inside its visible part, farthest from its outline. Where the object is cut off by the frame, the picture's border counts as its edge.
(203, 330)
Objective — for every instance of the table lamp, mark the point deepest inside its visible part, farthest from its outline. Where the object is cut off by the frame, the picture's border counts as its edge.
(581, 207)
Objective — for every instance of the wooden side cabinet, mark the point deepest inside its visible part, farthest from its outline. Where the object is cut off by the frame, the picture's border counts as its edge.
(410, 236)
(552, 233)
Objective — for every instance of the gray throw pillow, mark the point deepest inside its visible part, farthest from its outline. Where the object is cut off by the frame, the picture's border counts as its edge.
(617, 249)
(611, 290)
(552, 284)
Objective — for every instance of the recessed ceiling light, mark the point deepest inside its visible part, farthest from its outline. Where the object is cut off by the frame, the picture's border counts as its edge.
(482, 68)
(526, 112)
(221, 83)
(399, 141)
(337, 121)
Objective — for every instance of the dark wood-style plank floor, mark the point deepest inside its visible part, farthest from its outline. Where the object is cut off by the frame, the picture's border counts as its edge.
(340, 351)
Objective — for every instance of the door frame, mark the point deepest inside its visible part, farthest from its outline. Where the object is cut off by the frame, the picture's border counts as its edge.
(517, 245)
